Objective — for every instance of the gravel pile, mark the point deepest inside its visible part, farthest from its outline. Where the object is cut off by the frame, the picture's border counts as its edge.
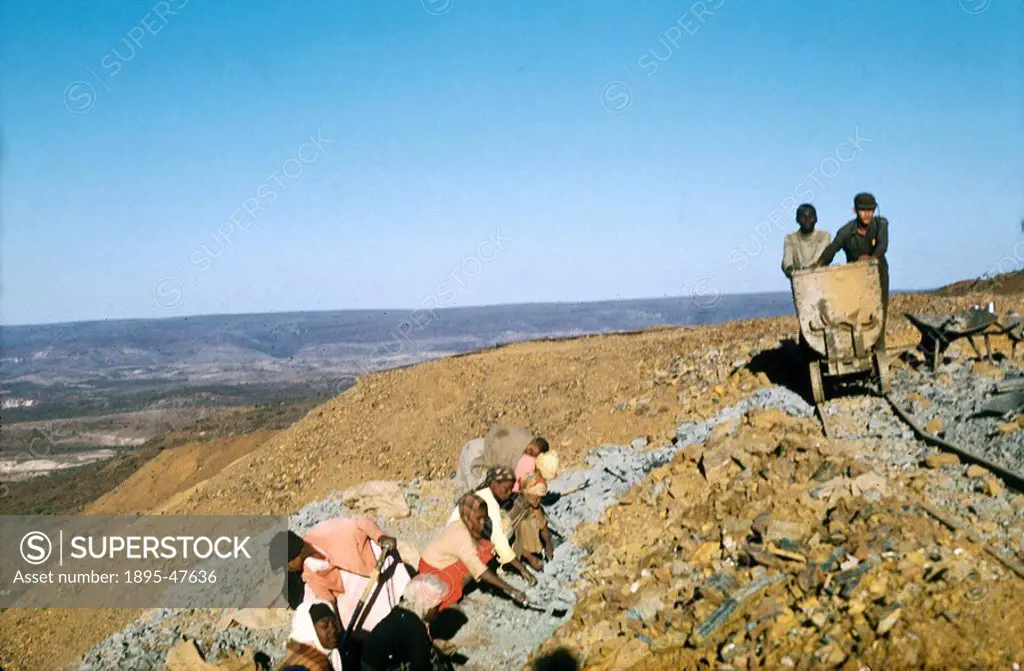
(508, 634)
(954, 394)
(499, 634)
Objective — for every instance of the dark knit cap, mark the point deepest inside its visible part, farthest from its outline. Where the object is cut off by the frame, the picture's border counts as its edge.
(864, 201)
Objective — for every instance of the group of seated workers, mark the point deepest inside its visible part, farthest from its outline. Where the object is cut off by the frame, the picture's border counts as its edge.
(498, 520)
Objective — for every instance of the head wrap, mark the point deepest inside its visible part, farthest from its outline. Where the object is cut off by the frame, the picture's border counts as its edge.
(424, 592)
(547, 465)
(470, 508)
(533, 484)
(499, 474)
(303, 629)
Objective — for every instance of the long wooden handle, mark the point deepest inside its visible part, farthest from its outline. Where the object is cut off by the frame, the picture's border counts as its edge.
(374, 577)
(370, 585)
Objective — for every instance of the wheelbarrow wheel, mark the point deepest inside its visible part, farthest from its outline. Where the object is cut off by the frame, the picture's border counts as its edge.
(817, 387)
(882, 367)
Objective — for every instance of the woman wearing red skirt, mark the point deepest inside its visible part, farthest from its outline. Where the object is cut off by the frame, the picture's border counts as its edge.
(461, 553)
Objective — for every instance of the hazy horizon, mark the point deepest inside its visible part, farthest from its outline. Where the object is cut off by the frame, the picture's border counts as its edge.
(389, 310)
(180, 158)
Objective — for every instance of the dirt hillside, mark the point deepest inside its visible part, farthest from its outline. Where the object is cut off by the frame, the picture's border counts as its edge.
(411, 422)
(1003, 285)
(174, 471)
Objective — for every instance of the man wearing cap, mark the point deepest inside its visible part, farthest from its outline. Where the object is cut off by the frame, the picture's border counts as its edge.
(862, 238)
(802, 248)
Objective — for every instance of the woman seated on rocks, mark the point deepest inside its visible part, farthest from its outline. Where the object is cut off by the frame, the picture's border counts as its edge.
(461, 553)
(336, 558)
(402, 639)
(530, 524)
(496, 490)
(313, 642)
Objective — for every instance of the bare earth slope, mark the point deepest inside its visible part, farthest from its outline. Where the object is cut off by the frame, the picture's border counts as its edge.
(411, 422)
(174, 471)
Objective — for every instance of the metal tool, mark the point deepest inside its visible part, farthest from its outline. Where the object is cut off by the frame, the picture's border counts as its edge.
(555, 612)
(577, 488)
(367, 591)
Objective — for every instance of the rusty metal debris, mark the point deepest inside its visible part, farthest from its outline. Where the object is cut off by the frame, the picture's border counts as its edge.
(1003, 404)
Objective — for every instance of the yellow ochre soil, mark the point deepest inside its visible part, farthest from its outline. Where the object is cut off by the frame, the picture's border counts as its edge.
(411, 422)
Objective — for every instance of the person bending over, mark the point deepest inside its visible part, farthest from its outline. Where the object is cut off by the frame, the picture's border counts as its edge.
(461, 552)
(495, 490)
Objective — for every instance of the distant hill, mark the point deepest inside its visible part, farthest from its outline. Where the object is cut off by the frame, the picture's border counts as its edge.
(233, 349)
(1005, 284)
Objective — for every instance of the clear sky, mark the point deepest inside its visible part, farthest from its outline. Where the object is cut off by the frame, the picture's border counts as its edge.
(469, 152)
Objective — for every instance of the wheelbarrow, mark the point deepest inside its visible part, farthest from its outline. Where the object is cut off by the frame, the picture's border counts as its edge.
(840, 311)
(938, 333)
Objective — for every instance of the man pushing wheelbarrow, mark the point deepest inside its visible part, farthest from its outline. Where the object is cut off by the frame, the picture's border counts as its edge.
(842, 309)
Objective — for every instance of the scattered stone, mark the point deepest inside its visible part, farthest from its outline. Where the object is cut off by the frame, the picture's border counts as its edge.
(985, 369)
(1006, 428)
(934, 426)
(941, 459)
(888, 622)
(975, 471)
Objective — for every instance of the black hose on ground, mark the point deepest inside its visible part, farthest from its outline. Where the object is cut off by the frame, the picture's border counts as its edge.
(1012, 479)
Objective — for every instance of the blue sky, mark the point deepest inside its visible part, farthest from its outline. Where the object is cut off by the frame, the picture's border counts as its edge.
(469, 152)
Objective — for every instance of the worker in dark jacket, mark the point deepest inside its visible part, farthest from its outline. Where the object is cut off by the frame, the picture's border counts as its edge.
(401, 641)
(862, 238)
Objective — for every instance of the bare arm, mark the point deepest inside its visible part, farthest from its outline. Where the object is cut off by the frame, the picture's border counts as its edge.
(787, 258)
(501, 546)
(491, 578)
(833, 248)
(517, 564)
(549, 545)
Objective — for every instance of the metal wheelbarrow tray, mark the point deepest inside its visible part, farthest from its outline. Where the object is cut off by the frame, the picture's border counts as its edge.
(840, 313)
(938, 333)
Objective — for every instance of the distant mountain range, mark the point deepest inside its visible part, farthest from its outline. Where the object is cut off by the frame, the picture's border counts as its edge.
(106, 367)
(283, 345)
(343, 338)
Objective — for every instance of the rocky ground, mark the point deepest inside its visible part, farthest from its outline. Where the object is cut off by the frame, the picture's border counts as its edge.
(777, 548)
(774, 548)
(638, 589)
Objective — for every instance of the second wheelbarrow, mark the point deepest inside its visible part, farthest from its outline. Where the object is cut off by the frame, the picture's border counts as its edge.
(938, 333)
